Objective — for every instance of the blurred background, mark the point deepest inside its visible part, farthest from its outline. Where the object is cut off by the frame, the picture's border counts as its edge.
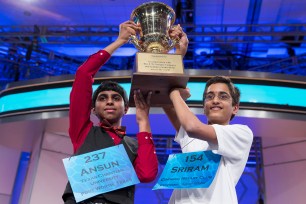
(41, 39)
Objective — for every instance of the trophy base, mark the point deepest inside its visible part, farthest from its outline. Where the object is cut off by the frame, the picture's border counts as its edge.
(160, 85)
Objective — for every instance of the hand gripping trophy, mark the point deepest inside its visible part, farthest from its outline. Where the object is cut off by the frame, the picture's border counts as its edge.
(155, 70)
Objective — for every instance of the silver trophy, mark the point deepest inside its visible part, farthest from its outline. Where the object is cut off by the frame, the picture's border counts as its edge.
(155, 70)
(155, 20)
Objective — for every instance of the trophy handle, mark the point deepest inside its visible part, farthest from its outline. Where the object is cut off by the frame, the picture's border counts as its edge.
(173, 41)
(134, 40)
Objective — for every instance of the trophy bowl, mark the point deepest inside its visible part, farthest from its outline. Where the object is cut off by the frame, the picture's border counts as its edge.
(155, 20)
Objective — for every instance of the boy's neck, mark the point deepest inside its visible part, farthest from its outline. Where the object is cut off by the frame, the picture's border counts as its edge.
(111, 124)
(210, 123)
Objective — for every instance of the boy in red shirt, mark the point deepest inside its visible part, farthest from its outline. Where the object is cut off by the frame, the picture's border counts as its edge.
(109, 103)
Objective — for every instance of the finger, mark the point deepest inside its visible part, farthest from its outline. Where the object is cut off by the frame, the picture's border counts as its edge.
(148, 100)
(129, 30)
(133, 26)
(136, 99)
(130, 22)
(140, 97)
(176, 28)
(174, 33)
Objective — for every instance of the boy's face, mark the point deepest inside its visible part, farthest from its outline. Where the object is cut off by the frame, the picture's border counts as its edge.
(218, 104)
(110, 105)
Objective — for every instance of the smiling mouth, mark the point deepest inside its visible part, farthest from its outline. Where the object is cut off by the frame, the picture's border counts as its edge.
(215, 108)
(109, 110)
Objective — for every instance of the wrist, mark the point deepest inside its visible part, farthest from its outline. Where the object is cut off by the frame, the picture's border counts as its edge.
(144, 126)
(120, 42)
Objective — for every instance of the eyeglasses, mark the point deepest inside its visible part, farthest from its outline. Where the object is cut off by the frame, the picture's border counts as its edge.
(221, 96)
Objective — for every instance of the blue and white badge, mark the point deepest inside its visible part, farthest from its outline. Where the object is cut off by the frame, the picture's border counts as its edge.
(99, 172)
(189, 170)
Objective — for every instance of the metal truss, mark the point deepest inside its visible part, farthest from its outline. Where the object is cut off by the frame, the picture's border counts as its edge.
(207, 34)
(23, 54)
(295, 65)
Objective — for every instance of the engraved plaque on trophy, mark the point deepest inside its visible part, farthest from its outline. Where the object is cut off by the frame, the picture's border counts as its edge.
(154, 69)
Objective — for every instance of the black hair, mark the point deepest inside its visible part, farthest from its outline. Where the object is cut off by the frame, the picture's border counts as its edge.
(234, 91)
(110, 86)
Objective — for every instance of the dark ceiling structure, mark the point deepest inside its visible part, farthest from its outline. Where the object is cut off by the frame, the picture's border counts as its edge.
(39, 39)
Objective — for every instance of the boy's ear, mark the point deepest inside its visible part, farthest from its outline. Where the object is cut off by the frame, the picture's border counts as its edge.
(93, 111)
(235, 109)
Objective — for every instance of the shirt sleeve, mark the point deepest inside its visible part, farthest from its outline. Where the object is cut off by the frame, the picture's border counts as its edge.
(80, 98)
(146, 163)
(234, 141)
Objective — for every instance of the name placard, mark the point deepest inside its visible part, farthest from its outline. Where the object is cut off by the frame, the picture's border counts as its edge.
(99, 172)
(189, 170)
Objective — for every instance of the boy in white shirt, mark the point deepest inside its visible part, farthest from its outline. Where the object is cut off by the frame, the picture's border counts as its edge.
(232, 142)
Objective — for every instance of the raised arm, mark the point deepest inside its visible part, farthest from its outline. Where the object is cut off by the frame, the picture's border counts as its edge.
(146, 164)
(189, 121)
(80, 96)
(171, 114)
(176, 32)
(127, 29)
(142, 110)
